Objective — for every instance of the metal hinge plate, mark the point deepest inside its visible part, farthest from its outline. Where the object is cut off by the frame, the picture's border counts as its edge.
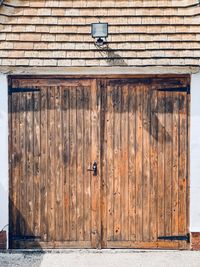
(176, 238)
(22, 90)
(175, 89)
(27, 237)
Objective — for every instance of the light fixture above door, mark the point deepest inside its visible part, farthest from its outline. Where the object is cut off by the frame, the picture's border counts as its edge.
(99, 32)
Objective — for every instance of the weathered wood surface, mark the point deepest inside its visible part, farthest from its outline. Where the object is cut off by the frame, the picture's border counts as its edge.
(135, 129)
(146, 133)
(53, 145)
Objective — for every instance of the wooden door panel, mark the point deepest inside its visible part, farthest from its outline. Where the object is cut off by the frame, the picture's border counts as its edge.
(54, 134)
(147, 144)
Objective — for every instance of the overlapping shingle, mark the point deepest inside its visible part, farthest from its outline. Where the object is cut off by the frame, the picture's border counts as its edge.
(141, 33)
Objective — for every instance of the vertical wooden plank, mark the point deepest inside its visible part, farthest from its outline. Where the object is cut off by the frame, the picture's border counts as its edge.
(29, 166)
(146, 163)
(103, 159)
(58, 182)
(22, 144)
(124, 164)
(73, 164)
(154, 177)
(110, 167)
(87, 147)
(66, 162)
(95, 183)
(168, 161)
(183, 164)
(80, 163)
(161, 160)
(139, 151)
(132, 162)
(44, 164)
(15, 163)
(175, 157)
(117, 98)
(51, 163)
(18, 163)
(36, 163)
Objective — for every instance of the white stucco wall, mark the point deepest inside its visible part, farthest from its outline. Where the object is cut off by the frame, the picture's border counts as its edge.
(195, 155)
(3, 152)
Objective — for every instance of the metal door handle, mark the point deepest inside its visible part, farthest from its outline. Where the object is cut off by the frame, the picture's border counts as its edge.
(94, 169)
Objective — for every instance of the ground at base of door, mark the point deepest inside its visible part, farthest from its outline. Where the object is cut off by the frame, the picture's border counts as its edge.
(97, 258)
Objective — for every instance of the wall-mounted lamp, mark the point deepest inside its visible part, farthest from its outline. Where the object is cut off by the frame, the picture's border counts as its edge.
(99, 32)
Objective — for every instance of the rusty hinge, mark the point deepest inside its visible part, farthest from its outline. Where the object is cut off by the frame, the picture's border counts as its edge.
(176, 238)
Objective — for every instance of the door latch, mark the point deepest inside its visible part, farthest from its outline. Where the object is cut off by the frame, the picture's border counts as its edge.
(93, 169)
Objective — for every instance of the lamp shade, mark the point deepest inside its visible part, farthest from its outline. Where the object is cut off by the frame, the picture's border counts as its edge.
(99, 30)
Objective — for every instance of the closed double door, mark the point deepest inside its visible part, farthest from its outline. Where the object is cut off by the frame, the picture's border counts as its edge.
(98, 162)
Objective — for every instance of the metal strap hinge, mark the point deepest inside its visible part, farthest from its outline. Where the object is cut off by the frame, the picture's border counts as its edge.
(175, 89)
(22, 90)
(176, 237)
(26, 237)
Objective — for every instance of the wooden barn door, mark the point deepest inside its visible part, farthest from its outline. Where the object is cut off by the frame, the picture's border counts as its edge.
(145, 163)
(54, 131)
(134, 130)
